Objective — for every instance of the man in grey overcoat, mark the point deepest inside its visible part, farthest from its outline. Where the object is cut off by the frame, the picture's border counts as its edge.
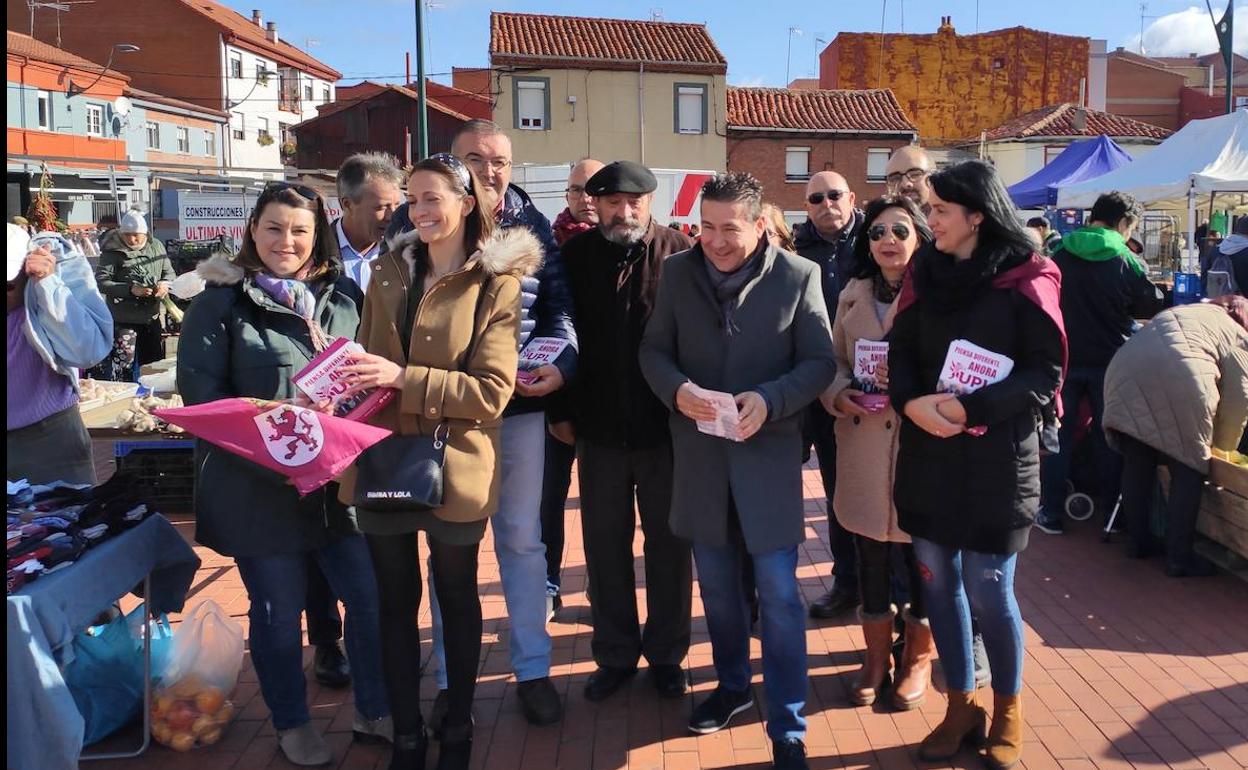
(740, 323)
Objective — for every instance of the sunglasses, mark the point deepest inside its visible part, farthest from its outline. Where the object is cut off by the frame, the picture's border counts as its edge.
(877, 232)
(816, 198)
(273, 188)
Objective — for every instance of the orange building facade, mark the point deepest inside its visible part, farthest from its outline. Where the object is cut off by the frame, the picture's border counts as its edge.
(954, 86)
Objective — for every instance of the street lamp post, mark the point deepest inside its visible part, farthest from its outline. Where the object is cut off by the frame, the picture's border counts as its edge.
(72, 90)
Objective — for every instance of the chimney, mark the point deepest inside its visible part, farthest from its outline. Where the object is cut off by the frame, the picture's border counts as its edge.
(271, 31)
(1080, 119)
(946, 24)
(256, 18)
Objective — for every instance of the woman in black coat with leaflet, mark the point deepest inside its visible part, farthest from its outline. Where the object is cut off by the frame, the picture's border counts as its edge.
(968, 467)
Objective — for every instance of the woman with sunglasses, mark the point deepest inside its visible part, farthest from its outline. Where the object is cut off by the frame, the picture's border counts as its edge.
(968, 466)
(266, 314)
(866, 439)
(441, 324)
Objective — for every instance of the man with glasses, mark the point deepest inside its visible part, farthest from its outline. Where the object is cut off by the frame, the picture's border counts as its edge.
(546, 311)
(578, 217)
(906, 175)
(827, 238)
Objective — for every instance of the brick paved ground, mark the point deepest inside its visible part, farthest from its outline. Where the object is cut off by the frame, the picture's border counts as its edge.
(1125, 669)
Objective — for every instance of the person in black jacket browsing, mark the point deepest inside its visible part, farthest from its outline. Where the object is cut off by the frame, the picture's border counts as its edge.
(1105, 287)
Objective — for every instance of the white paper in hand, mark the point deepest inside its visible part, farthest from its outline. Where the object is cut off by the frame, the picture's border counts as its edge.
(969, 367)
(727, 423)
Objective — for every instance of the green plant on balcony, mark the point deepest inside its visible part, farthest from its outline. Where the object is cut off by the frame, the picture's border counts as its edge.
(264, 140)
(288, 149)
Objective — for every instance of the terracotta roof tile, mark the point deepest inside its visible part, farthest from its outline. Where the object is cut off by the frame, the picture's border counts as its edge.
(25, 45)
(1059, 120)
(256, 38)
(842, 110)
(138, 93)
(562, 41)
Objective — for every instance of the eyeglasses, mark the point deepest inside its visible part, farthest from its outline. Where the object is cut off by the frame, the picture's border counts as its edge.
(493, 164)
(816, 198)
(457, 168)
(913, 176)
(273, 188)
(877, 232)
(575, 190)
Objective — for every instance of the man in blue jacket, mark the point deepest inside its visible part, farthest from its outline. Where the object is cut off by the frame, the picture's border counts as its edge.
(546, 312)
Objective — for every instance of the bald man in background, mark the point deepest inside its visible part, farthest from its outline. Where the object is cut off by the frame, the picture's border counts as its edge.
(906, 174)
(827, 239)
(580, 216)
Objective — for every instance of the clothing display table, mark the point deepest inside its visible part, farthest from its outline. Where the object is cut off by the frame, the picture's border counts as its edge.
(45, 730)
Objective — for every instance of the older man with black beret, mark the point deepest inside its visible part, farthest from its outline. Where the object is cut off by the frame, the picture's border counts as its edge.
(623, 443)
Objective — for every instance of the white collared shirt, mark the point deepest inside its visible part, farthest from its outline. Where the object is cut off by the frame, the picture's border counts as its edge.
(357, 265)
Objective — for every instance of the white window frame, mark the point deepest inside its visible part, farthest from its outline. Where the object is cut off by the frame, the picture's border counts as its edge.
(152, 133)
(238, 130)
(1241, 102)
(880, 157)
(790, 170)
(43, 109)
(210, 143)
(526, 118)
(96, 110)
(236, 65)
(263, 130)
(684, 94)
(182, 137)
(1051, 151)
(325, 94)
(307, 93)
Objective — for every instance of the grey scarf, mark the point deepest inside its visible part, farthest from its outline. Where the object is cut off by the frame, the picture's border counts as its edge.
(728, 286)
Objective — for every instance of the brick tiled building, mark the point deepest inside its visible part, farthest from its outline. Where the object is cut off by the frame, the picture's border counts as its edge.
(954, 86)
(1170, 91)
(1026, 144)
(782, 136)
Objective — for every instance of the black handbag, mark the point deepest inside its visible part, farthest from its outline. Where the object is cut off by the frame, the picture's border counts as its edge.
(402, 473)
(406, 473)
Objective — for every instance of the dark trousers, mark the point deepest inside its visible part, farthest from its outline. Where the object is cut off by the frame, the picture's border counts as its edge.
(1139, 479)
(877, 564)
(822, 430)
(324, 621)
(454, 567)
(1081, 382)
(556, 479)
(610, 479)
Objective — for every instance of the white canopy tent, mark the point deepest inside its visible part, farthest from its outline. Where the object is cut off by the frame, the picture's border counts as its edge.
(1204, 157)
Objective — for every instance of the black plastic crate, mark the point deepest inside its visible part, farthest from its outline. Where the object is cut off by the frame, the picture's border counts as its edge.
(166, 467)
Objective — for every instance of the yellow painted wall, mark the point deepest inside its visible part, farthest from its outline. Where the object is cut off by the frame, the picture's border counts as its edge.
(604, 122)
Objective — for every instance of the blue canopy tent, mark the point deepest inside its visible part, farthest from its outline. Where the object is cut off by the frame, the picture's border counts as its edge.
(1080, 161)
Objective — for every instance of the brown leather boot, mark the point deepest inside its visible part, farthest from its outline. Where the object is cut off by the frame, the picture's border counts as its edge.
(910, 687)
(876, 666)
(965, 722)
(1005, 739)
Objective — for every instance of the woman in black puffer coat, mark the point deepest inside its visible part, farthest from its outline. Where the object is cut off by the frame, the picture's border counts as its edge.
(968, 466)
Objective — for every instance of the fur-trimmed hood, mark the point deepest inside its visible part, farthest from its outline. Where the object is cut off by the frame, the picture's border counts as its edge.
(220, 270)
(509, 251)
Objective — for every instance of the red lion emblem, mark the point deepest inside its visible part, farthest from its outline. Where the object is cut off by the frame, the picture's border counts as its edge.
(297, 427)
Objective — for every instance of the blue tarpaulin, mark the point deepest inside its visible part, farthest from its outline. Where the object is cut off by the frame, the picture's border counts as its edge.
(1080, 161)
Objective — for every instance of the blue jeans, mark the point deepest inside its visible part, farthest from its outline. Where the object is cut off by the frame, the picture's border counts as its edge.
(519, 549)
(1081, 382)
(277, 589)
(782, 616)
(957, 584)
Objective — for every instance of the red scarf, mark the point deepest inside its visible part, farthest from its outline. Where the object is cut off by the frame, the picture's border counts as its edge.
(1037, 279)
(566, 226)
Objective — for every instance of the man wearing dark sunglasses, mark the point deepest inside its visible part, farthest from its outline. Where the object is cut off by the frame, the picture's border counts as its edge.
(827, 238)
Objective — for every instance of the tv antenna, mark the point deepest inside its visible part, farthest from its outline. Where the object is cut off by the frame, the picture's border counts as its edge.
(59, 6)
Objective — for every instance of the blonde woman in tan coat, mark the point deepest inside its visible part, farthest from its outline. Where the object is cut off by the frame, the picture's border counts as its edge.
(441, 324)
(866, 438)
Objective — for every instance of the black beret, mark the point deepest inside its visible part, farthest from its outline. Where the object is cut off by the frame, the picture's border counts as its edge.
(622, 176)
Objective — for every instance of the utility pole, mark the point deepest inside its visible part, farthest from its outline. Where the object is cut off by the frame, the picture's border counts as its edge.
(422, 112)
(1225, 30)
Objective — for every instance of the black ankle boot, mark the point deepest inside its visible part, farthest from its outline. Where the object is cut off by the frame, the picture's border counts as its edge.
(456, 748)
(409, 752)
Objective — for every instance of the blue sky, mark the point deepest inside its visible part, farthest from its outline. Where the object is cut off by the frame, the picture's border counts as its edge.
(367, 38)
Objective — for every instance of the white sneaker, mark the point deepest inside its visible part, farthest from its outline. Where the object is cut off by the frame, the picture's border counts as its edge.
(304, 746)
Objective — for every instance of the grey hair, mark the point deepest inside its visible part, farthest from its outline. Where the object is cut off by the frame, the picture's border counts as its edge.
(479, 127)
(736, 187)
(358, 169)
